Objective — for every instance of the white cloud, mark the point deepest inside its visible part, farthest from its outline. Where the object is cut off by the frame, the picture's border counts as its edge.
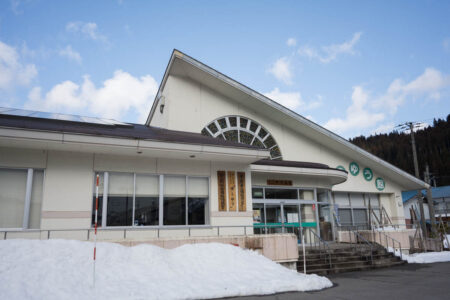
(330, 53)
(118, 96)
(428, 85)
(291, 42)
(281, 69)
(290, 100)
(13, 72)
(88, 29)
(71, 54)
(367, 112)
(357, 117)
(384, 128)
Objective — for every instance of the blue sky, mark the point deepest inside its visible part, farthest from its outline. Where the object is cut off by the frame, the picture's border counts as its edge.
(355, 67)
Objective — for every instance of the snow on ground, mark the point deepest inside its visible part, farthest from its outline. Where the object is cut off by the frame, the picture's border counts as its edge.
(423, 258)
(62, 269)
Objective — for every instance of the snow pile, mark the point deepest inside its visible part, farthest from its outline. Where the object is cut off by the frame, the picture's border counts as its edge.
(62, 269)
(423, 258)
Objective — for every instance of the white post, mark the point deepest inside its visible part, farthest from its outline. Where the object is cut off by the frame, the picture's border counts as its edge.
(28, 191)
(304, 256)
(96, 217)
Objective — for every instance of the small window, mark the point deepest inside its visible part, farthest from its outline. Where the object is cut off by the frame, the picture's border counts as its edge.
(256, 135)
(243, 122)
(257, 193)
(120, 199)
(174, 200)
(233, 121)
(274, 193)
(222, 123)
(345, 216)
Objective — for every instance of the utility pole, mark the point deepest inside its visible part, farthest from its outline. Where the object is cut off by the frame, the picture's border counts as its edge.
(411, 126)
(427, 178)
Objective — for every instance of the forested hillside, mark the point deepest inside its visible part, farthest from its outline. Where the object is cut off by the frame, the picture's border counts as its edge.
(433, 147)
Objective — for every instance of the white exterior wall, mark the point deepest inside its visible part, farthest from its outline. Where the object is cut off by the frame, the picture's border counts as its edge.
(190, 106)
(69, 183)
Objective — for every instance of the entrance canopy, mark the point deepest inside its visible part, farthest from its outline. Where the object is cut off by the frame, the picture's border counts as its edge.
(322, 174)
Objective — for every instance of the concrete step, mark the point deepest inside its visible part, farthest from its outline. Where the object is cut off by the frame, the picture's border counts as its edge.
(327, 271)
(336, 259)
(310, 256)
(345, 264)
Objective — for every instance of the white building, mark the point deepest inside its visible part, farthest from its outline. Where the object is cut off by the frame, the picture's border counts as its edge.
(214, 159)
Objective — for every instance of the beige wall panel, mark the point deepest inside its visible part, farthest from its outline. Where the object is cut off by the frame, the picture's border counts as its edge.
(80, 235)
(70, 223)
(183, 167)
(124, 163)
(68, 183)
(23, 235)
(173, 233)
(142, 234)
(22, 158)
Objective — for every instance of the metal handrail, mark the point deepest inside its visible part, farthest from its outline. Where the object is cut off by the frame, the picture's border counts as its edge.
(358, 238)
(326, 247)
(387, 238)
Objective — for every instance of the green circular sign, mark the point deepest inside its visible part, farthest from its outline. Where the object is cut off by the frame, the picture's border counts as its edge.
(368, 174)
(341, 168)
(353, 168)
(380, 184)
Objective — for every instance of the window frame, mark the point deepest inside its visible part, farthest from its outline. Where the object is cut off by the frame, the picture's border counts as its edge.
(27, 201)
(161, 179)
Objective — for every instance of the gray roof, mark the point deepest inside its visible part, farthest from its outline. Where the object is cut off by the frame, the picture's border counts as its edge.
(128, 130)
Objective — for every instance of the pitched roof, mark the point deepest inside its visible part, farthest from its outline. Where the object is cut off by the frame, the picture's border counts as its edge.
(119, 130)
(437, 192)
(296, 121)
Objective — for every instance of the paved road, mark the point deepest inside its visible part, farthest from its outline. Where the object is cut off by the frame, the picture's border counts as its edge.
(411, 281)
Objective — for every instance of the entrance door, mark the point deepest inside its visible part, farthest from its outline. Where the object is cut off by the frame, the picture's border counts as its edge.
(292, 219)
(309, 222)
(274, 218)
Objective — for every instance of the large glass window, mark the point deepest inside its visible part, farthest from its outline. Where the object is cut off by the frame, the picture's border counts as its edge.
(14, 201)
(120, 199)
(345, 216)
(197, 200)
(134, 200)
(13, 185)
(274, 193)
(146, 210)
(174, 200)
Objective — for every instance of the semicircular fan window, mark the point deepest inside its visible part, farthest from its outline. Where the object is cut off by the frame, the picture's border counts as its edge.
(243, 130)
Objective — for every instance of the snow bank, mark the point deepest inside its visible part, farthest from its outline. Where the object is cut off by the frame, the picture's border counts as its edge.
(423, 258)
(62, 269)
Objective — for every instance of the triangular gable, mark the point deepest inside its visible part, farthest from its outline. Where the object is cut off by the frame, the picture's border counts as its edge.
(203, 73)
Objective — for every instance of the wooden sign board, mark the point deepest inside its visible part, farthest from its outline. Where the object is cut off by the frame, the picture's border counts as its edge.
(222, 190)
(231, 190)
(241, 191)
(279, 182)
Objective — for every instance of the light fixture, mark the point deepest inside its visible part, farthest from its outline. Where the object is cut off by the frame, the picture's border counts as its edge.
(162, 103)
